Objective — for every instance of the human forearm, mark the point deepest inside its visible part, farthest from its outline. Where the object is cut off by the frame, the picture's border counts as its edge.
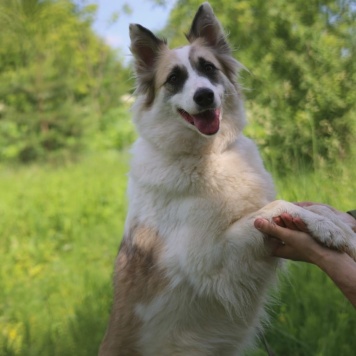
(341, 268)
(300, 246)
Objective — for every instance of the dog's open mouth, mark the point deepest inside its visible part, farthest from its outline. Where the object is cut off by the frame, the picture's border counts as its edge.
(207, 122)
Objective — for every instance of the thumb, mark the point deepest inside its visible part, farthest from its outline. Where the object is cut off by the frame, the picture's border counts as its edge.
(260, 223)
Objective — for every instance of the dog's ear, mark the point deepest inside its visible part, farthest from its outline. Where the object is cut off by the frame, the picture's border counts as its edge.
(145, 46)
(206, 26)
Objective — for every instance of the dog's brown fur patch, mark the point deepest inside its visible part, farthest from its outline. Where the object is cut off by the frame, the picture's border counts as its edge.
(137, 279)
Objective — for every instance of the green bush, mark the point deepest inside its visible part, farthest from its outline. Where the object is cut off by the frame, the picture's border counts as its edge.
(57, 79)
(116, 130)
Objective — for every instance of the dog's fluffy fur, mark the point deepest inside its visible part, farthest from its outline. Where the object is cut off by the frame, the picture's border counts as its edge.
(192, 273)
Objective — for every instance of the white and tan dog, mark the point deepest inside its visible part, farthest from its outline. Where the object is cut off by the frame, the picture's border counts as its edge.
(192, 273)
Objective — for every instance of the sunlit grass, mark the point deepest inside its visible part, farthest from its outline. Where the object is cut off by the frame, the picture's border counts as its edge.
(60, 229)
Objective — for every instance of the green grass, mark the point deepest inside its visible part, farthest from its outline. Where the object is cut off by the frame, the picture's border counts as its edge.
(60, 229)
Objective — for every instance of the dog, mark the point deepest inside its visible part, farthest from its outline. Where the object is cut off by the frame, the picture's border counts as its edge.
(192, 274)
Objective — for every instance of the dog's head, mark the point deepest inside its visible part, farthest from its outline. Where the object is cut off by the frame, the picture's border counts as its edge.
(189, 95)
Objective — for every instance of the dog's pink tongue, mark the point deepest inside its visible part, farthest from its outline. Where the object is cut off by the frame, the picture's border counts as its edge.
(207, 122)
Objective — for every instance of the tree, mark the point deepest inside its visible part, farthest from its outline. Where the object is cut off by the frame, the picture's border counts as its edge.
(300, 85)
(57, 78)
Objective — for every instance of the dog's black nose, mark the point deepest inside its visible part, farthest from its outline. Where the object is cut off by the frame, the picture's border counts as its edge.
(204, 97)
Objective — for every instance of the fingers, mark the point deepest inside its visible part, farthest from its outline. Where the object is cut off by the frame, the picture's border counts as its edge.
(300, 224)
(290, 222)
(287, 221)
(292, 240)
(271, 229)
(288, 243)
(284, 234)
(279, 221)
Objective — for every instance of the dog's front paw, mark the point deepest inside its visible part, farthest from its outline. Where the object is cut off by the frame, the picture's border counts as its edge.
(330, 230)
(323, 225)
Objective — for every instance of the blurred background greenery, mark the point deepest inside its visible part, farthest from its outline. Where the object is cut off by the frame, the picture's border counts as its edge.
(64, 133)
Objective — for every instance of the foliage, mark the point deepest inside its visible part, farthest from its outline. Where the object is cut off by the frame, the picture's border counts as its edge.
(57, 78)
(60, 229)
(302, 73)
(116, 130)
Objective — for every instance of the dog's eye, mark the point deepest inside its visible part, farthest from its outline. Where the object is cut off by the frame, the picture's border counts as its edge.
(172, 78)
(175, 78)
(209, 67)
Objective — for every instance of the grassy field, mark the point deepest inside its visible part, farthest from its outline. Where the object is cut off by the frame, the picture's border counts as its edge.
(60, 229)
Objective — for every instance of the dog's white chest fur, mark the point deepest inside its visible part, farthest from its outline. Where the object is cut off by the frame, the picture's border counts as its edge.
(192, 202)
(225, 185)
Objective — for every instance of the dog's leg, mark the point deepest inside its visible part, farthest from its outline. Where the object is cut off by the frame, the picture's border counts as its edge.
(322, 223)
(345, 241)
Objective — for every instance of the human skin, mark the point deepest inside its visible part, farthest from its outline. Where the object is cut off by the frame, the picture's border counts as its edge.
(293, 242)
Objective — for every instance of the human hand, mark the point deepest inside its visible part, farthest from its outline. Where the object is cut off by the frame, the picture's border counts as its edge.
(293, 241)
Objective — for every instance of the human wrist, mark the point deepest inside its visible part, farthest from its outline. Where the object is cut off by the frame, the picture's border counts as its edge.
(322, 257)
(330, 259)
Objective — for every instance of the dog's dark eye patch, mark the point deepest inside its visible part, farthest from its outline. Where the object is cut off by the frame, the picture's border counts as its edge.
(208, 69)
(176, 79)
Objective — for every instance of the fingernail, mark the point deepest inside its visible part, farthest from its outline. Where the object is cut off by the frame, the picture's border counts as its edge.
(258, 223)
